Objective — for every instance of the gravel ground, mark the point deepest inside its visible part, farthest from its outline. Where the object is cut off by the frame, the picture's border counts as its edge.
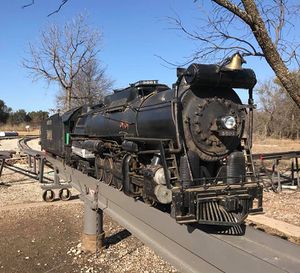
(271, 145)
(284, 206)
(45, 237)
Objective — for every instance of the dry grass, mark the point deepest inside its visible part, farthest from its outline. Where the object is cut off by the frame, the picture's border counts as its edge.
(271, 145)
(33, 131)
(10, 127)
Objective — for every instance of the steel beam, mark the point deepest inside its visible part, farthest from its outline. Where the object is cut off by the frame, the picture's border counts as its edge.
(190, 250)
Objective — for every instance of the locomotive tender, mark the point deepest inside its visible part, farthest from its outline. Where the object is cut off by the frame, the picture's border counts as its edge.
(187, 148)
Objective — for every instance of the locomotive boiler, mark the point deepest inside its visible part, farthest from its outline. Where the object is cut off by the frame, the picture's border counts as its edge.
(187, 148)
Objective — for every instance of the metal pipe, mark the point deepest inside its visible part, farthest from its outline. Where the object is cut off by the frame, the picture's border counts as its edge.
(41, 169)
(93, 233)
(164, 164)
(297, 172)
(292, 172)
(178, 140)
(250, 128)
(126, 183)
(56, 176)
(34, 165)
(2, 166)
(278, 177)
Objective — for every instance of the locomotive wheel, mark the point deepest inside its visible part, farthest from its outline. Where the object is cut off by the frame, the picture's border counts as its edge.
(64, 194)
(117, 181)
(48, 195)
(149, 201)
(118, 184)
(99, 168)
(107, 171)
(79, 168)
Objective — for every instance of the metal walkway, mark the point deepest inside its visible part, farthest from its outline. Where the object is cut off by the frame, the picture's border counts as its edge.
(188, 249)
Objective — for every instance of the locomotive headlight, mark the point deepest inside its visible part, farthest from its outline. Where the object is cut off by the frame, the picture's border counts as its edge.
(228, 122)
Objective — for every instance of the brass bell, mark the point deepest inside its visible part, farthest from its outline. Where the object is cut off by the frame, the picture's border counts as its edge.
(235, 62)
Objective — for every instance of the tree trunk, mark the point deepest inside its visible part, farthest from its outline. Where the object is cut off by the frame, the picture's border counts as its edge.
(266, 131)
(271, 54)
(292, 125)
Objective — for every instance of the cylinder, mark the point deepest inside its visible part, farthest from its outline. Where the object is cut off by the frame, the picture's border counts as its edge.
(184, 172)
(93, 234)
(214, 75)
(236, 167)
(92, 145)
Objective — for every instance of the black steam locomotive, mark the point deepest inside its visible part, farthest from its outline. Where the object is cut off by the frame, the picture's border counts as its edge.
(187, 148)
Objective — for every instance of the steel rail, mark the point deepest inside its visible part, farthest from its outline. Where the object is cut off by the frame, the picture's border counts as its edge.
(280, 155)
(23, 146)
(6, 154)
(188, 249)
(8, 137)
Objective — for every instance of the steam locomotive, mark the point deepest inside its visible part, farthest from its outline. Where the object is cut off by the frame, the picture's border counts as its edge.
(187, 148)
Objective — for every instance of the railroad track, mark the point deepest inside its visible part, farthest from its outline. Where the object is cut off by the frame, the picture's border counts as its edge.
(8, 137)
(188, 249)
(274, 175)
(279, 155)
(23, 146)
(6, 157)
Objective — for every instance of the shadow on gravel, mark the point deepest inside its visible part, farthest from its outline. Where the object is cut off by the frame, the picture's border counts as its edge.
(4, 185)
(116, 238)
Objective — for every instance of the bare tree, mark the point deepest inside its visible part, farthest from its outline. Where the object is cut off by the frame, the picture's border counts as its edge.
(270, 98)
(63, 53)
(277, 114)
(89, 86)
(255, 28)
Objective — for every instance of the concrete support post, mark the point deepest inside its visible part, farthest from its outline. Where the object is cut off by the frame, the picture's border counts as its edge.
(93, 233)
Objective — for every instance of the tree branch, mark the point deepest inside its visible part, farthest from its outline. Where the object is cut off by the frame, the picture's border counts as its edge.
(235, 10)
(63, 2)
(59, 8)
(281, 22)
(28, 5)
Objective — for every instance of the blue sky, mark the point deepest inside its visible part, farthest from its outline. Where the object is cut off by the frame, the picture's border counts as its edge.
(133, 33)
